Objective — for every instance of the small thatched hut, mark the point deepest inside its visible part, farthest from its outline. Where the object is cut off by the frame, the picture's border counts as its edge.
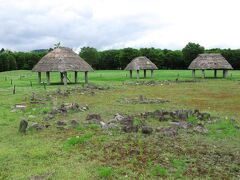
(141, 63)
(62, 60)
(211, 61)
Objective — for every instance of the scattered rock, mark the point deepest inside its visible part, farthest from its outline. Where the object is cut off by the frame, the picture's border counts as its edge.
(23, 126)
(118, 117)
(170, 131)
(74, 123)
(147, 130)
(61, 123)
(200, 129)
(93, 118)
(37, 126)
(20, 106)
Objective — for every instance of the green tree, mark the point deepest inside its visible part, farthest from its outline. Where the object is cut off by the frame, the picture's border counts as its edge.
(191, 51)
(90, 55)
(126, 55)
(12, 62)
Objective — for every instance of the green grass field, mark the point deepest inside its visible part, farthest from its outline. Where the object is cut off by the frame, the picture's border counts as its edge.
(88, 152)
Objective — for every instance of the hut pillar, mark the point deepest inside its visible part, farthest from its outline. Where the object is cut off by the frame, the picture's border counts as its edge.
(193, 73)
(151, 73)
(225, 73)
(215, 73)
(76, 76)
(39, 78)
(48, 77)
(203, 73)
(86, 77)
(65, 78)
(137, 74)
(131, 74)
(61, 76)
(145, 73)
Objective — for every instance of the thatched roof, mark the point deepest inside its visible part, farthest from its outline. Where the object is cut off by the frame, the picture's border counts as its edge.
(140, 63)
(210, 61)
(62, 59)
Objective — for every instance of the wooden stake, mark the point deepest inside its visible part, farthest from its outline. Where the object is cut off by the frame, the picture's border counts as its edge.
(14, 89)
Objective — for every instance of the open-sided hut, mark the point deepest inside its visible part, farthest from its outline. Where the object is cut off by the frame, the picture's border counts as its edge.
(141, 63)
(62, 60)
(211, 61)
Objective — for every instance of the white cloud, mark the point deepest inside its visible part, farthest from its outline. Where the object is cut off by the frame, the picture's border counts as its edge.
(28, 24)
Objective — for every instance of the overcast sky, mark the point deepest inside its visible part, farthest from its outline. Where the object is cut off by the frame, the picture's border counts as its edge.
(36, 24)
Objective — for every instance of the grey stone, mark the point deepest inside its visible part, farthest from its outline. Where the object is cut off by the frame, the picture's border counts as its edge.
(93, 118)
(37, 126)
(200, 129)
(147, 130)
(74, 123)
(61, 123)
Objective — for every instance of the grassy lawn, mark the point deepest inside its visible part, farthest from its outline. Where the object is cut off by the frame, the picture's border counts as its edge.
(89, 152)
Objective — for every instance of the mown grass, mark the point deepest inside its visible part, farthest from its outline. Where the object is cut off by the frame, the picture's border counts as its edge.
(87, 152)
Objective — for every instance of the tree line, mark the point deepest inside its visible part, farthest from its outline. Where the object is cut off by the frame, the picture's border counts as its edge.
(119, 58)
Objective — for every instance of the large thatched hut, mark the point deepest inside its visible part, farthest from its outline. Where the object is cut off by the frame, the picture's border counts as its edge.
(141, 63)
(211, 61)
(62, 60)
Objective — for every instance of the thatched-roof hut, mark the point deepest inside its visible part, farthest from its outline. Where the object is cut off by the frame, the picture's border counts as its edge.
(211, 61)
(141, 63)
(62, 60)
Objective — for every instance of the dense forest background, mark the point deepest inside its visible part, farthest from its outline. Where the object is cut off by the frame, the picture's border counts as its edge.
(119, 58)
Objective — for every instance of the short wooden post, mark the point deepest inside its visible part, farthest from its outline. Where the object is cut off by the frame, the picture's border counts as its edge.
(203, 73)
(193, 73)
(215, 73)
(39, 78)
(14, 89)
(76, 76)
(137, 74)
(86, 77)
(61, 77)
(48, 77)
(145, 73)
(151, 73)
(225, 73)
(131, 74)
(65, 78)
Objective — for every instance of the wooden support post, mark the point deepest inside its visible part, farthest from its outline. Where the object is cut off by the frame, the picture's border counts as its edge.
(65, 78)
(76, 76)
(131, 74)
(137, 74)
(203, 73)
(39, 78)
(151, 73)
(225, 73)
(86, 77)
(61, 77)
(48, 77)
(145, 73)
(215, 73)
(193, 73)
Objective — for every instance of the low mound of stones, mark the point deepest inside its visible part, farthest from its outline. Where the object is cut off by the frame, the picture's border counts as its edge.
(154, 83)
(177, 120)
(143, 100)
